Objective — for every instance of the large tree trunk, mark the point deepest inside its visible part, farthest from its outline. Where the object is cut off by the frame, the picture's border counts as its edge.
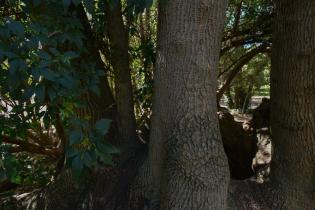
(293, 103)
(292, 185)
(188, 162)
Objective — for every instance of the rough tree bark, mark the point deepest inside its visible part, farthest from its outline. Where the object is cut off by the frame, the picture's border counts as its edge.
(292, 183)
(118, 36)
(293, 103)
(189, 166)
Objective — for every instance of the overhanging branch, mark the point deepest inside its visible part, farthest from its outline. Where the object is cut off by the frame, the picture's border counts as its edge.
(238, 67)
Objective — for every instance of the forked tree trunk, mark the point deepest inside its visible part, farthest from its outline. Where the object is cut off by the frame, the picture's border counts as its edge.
(189, 166)
(293, 103)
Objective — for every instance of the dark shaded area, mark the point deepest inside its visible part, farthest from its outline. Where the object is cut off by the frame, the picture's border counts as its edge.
(242, 140)
(240, 145)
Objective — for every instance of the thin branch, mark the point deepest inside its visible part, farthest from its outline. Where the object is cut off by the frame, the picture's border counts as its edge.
(238, 67)
(25, 146)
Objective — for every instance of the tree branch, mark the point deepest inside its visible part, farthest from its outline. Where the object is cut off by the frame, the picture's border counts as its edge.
(238, 67)
(25, 146)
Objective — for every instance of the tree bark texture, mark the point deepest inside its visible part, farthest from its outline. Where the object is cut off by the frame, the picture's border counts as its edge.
(189, 166)
(293, 103)
(119, 42)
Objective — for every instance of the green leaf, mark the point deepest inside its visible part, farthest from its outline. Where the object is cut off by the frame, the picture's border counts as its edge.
(16, 28)
(28, 92)
(107, 148)
(4, 33)
(17, 65)
(88, 161)
(77, 163)
(71, 152)
(52, 93)
(105, 158)
(14, 66)
(44, 55)
(66, 81)
(71, 54)
(35, 73)
(48, 74)
(102, 126)
(75, 137)
(77, 40)
(40, 92)
(16, 178)
(54, 51)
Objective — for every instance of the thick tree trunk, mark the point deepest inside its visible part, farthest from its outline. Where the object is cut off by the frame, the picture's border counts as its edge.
(292, 185)
(188, 162)
(293, 103)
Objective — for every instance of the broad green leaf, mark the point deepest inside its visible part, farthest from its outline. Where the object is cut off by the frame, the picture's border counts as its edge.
(17, 28)
(71, 152)
(40, 93)
(35, 73)
(67, 81)
(88, 161)
(4, 33)
(44, 55)
(75, 137)
(71, 54)
(107, 148)
(106, 158)
(102, 126)
(16, 178)
(77, 163)
(17, 65)
(52, 93)
(48, 74)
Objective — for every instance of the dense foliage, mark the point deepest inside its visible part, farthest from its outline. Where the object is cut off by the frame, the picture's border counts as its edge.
(42, 80)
